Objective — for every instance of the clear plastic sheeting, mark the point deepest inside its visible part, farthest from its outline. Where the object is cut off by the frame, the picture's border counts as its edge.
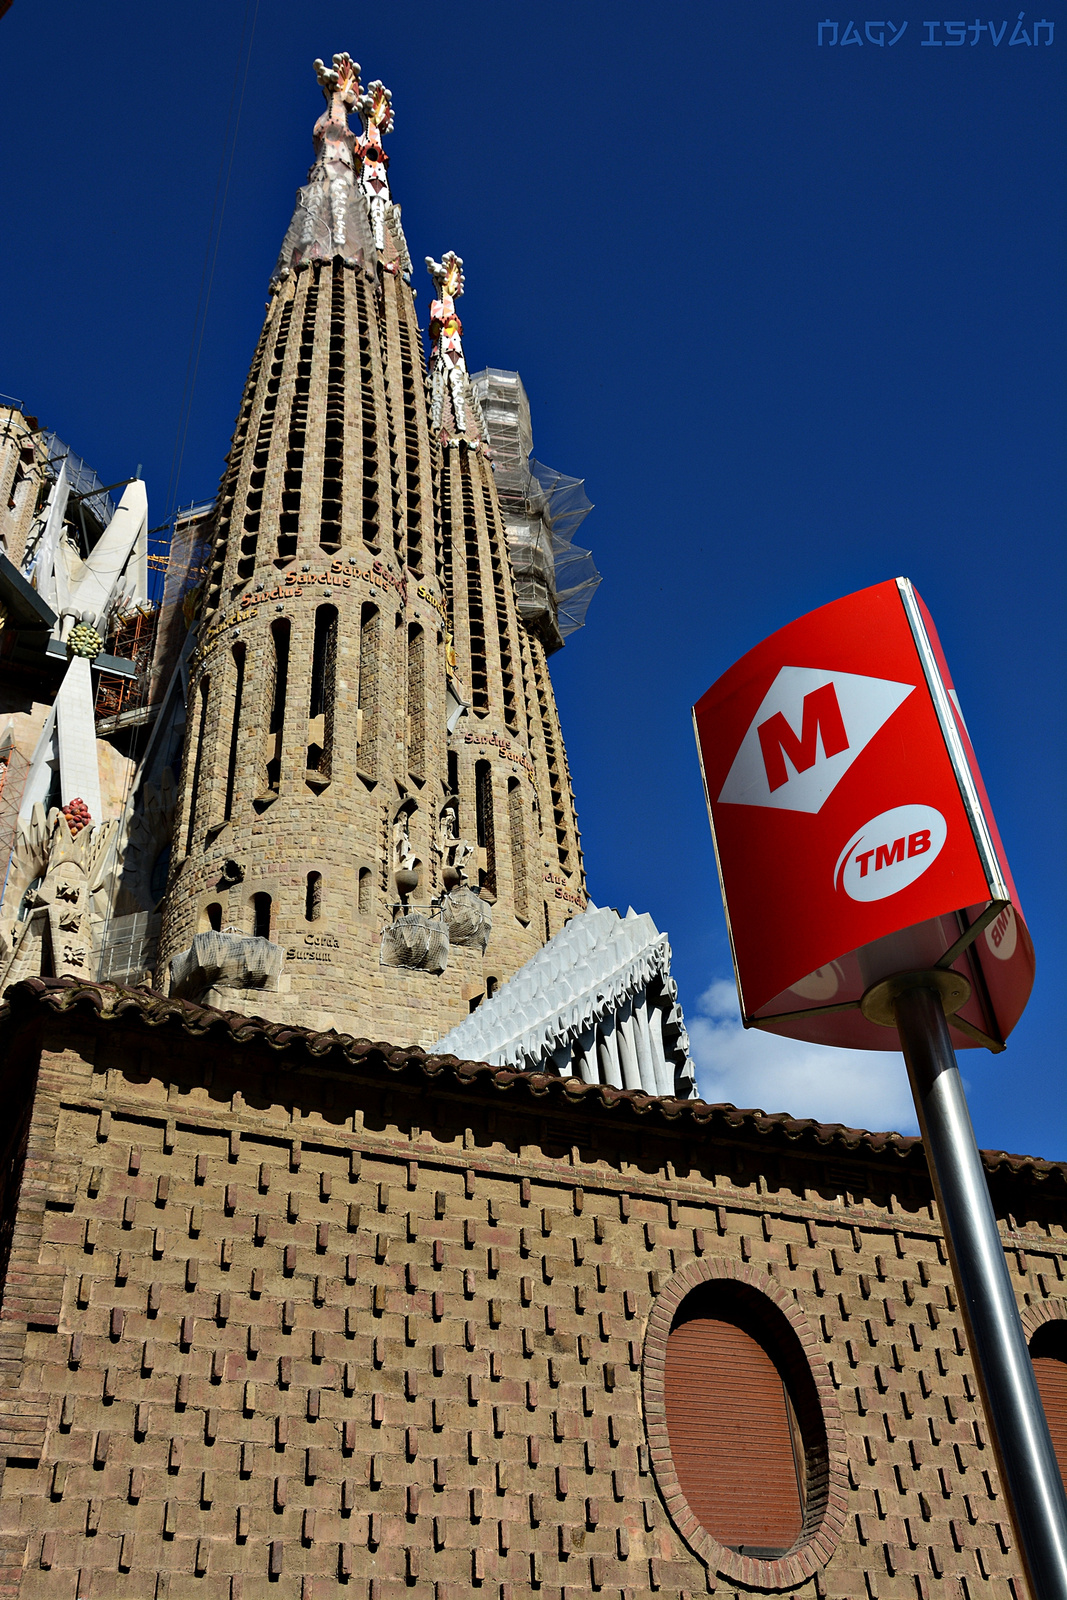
(555, 579)
(576, 577)
(124, 948)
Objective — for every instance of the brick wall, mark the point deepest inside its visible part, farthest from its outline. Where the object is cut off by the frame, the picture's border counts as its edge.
(299, 1320)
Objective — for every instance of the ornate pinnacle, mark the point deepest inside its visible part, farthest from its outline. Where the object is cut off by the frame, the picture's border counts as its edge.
(376, 114)
(341, 81)
(447, 275)
(376, 110)
(334, 215)
(448, 368)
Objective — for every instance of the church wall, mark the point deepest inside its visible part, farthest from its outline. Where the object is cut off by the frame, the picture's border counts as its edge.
(308, 1318)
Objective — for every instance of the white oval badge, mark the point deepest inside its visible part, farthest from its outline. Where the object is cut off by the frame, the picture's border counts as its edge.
(822, 984)
(1003, 935)
(890, 852)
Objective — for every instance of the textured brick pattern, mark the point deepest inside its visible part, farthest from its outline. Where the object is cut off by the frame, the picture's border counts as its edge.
(363, 1328)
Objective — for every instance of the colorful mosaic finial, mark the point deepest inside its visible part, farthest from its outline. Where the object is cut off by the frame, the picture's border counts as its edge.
(339, 82)
(376, 108)
(332, 216)
(448, 366)
(376, 114)
(447, 275)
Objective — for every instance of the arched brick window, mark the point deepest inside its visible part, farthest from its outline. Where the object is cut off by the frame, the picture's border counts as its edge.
(1048, 1352)
(732, 1422)
(745, 1433)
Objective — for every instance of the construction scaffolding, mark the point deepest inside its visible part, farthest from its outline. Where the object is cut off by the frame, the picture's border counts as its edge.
(555, 579)
(132, 637)
(152, 634)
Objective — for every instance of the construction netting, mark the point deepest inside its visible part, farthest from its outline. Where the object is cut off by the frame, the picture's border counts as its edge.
(555, 579)
(84, 483)
(187, 560)
(567, 506)
(152, 634)
(124, 948)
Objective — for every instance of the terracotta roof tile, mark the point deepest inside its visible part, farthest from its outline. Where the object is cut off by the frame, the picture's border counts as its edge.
(110, 1002)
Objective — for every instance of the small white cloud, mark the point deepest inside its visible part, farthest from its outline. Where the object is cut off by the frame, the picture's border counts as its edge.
(861, 1088)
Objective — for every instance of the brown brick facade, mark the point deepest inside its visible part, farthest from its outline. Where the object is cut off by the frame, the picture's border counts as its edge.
(286, 1314)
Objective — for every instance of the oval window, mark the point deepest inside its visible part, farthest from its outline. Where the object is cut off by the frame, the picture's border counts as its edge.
(743, 1419)
(1048, 1352)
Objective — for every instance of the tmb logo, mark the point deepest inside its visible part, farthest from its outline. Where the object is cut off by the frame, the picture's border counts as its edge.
(890, 852)
(809, 729)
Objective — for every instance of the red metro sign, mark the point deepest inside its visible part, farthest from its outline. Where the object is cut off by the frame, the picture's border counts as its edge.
(852, 830)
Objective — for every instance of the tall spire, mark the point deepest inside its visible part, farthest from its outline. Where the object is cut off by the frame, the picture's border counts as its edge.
(454, 409)
(332, 216)
(342, 806)
(376, 114)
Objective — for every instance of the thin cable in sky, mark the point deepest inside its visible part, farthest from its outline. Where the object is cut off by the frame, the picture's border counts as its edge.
(211, 253)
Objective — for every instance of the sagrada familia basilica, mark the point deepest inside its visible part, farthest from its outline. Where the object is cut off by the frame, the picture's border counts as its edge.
(361, 1231)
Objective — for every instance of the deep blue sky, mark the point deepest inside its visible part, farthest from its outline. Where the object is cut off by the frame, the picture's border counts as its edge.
(795, 313)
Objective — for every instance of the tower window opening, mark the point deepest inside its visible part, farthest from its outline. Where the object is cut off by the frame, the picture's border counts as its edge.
(443, 534)
(413, 511)
(293, 476)
(365, 890)
(323, 689)
(367, 715)
(213, 917)
(479, 676)
(507, 668)
(416, 722)
(235, 727)
(198, 762)
(261, 912)
(453, 772)
(278, 684)
(313, 897)
(483, 792)
(334, 432)
(368, 421)
(552, 753)
(257, 478)
(517, 830)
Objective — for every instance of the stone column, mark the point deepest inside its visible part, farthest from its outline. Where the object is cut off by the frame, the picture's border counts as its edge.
(608, 1051)
(631, 1067)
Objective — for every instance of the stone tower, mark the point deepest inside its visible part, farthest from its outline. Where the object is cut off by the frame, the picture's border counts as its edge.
(375, 824)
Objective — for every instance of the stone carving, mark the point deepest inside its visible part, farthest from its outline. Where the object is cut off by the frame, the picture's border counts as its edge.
(332, 216)
(217, 962)
(83, 640)
(61, 881)
(455, 852)
(407, 868)
(415, 940)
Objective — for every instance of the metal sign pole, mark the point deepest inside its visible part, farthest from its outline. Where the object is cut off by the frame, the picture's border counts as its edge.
(1028, 1467)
